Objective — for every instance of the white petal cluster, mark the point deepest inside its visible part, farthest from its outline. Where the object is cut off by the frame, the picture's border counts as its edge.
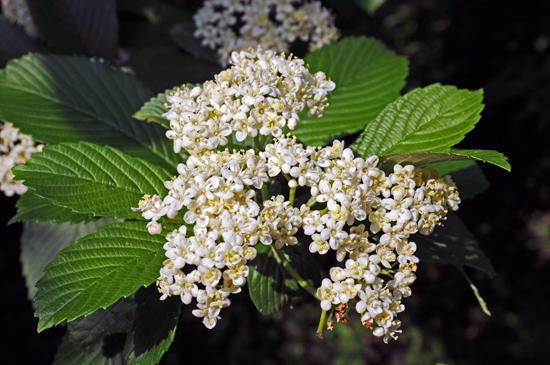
(235, 25)
(356, 210)
(260, 94)
(15, 149)
(213, 192)
(354, 189)
(18, 12)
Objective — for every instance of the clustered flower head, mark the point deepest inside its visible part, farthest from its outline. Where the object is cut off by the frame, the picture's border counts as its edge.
(356, 210)
(259, 95)
(15, 149)
(18, 12)
(235, 25)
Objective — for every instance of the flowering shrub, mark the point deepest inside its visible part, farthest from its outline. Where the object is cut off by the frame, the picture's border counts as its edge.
(233, 175)
(269, 23)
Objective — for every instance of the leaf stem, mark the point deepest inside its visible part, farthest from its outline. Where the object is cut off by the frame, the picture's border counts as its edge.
(236, 146)
(321, 324)
(291, 196)
(265, 193)
(311, 201)
(288, 267)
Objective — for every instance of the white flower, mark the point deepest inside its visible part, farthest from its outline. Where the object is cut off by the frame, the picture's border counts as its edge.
(18, 12)
(15, 148)
(270, 23)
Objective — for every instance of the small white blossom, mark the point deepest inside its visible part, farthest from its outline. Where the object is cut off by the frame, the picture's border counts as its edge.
(15, 148)
(273, 24)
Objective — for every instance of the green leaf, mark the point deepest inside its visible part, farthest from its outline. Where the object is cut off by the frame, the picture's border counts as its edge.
(107, 336)
(13, 40)
(452, 244)
(70, 99)
(34, 208)
(154, 327)
(430, 119)
(83, 26)
(470, 181)
(92, 179)
(161, 68)
(370, 6)
(424, 159)
(97, 271)
(445, 168)
(153, 110)
(368, 76)
(40, 243)
(97, 339)
(266, 282)
(182, 34)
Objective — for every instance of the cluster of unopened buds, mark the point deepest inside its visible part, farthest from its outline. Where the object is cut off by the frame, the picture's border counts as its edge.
(18, 12)
(354, 209)
(227, 26)
(15, 148)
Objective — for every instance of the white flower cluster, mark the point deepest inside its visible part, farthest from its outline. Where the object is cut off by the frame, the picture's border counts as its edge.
(18, 11)
(396, 206)
(260, 94)
(217, 192)
(15, 149)
(235, 25)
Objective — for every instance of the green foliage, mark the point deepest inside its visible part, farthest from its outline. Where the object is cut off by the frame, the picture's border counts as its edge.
(266, 282)
(97, 339)
(430, 119)
(13, 41)
(370, 6)
(154, 327)
(97, 271)
(368, 76)
(34, 208)
(108, 335)
(153, 110)
(424, 159)
(88, 178)
(452, 244)
(71, 99)
(40, 243)
(470, 181)
(182, 34)
(269, 284)
(84, 26)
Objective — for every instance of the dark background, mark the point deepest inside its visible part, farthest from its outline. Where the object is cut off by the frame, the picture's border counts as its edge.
(500, 46)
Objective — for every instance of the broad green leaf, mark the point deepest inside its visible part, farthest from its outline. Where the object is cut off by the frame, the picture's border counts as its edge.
(153, 110)
(370, 6)
(34, 208)
(430, 119)
(269, 285)
(445, 168)
(13, 40)
(40, 243)
(71, 99)
(97, 271)
(161, 68)
(182, 34)
(470, 181)
(92, 179)
(107, 336)
(154, 327)
(368, 76)
(83, 26)
(452, 244)
(424, 159)
(98, 339)
(266, 282)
